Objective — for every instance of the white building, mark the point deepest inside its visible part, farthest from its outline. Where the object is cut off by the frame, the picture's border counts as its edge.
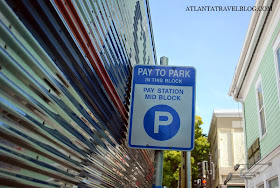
(227, 146)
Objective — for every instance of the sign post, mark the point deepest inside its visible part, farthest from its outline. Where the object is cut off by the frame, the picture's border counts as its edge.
(158, 162)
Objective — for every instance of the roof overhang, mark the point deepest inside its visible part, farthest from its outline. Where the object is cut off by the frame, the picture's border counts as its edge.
(253, 35)
(226, 113)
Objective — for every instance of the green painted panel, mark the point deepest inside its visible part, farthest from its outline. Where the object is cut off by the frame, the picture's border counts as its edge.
(271, 102)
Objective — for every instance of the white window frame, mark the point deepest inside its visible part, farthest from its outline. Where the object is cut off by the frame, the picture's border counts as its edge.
(257, 84)
(270, 179)
(276, 46)
(262, 183)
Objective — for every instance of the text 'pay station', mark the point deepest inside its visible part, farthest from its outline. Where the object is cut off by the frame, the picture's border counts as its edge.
(162, 108)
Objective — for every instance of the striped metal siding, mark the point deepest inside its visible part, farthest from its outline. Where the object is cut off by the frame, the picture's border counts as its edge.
(64, 96)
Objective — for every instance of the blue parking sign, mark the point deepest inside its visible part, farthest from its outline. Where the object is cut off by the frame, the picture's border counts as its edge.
(161, 122)
(162, 108)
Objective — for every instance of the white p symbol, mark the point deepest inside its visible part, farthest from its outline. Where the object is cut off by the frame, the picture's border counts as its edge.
(158, 122)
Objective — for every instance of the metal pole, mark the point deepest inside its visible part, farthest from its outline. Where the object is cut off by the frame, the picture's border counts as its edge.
(183, 169)
(188, 170)
(164, 60)
(158, 169)
(180, 178)
(210, 168)
(159, 153)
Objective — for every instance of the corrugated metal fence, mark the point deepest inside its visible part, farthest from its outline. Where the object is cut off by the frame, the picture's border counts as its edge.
(65, 69)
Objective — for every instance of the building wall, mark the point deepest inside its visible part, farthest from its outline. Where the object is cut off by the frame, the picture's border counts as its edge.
(271, 101)
(214, 153)
(227, 147)
(239, 147)
(231, 140)
(142, 37)
(231, 147)
(263, 161)
(65, 70)
(265, 173)
(258, 63)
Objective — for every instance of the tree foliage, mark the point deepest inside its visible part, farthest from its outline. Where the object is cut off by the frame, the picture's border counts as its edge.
(171, 164)
(172, 159)
(201, 148)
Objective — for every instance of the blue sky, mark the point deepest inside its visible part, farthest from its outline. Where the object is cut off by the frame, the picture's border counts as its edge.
(209, 41)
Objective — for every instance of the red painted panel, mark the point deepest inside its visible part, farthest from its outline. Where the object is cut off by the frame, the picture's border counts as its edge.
(73, 20)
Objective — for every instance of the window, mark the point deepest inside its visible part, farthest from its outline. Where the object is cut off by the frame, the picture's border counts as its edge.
(273, 183)
(278, 62)
(261, 186)
(277, 59)
(276, 50)
(260, 104)
(226, 158)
